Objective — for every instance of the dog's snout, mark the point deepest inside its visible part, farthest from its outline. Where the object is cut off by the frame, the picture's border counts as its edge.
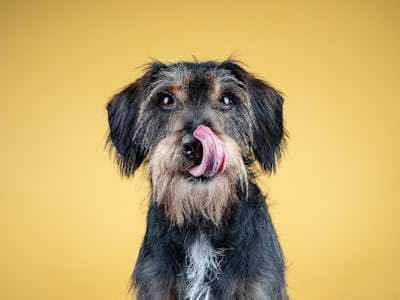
(192, 148)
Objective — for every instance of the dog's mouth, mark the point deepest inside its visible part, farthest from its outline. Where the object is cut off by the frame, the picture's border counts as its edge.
(213, 154)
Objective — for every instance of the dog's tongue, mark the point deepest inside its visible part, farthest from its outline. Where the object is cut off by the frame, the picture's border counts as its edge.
(213, 160)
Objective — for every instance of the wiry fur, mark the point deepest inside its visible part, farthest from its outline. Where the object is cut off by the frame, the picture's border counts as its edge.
(203, 268)
(206, 238)
(183, 197)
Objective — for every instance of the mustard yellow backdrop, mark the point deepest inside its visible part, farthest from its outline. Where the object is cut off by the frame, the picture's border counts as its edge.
(70, 227)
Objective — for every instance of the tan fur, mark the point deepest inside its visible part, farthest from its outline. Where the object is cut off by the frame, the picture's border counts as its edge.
(182, 196)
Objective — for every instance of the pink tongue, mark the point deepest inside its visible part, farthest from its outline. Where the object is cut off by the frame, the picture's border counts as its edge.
(213, 160)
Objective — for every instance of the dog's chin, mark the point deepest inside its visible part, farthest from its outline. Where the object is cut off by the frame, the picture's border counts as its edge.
(198, 179)
(183, 195)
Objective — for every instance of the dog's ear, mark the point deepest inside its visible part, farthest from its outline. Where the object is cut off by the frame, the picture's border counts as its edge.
(123, 111)
(269, 134)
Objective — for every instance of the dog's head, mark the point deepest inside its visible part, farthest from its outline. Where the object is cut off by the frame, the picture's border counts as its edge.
(199, 125)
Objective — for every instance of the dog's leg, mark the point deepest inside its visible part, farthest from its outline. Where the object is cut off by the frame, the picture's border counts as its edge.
(253, 265)
(159, 273)
(151, 282)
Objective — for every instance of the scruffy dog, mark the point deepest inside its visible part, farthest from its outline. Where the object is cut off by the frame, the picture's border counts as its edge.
(201, 126)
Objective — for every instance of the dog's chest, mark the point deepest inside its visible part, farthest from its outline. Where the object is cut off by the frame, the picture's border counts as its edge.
(202, 267)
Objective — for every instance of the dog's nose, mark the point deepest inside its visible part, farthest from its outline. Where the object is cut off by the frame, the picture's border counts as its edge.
(192, 148)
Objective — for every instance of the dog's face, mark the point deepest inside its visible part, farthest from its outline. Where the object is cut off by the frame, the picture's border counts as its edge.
(199, 125)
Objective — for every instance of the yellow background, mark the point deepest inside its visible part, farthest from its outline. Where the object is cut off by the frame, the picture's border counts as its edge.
(70, 227)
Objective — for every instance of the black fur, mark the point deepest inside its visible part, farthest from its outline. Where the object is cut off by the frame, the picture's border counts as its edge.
(123, 110)
(253, 266)
(269, 134)
(253, 252)
(268, 138)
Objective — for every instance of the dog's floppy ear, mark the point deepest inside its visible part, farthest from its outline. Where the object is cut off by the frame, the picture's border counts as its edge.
(123, 111)
(269, 133)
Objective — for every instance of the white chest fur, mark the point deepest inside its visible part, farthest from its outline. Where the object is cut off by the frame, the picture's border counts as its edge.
(203, 266)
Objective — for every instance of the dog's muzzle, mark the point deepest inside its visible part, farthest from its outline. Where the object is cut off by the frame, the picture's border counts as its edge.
(192, 148)
(206, 150)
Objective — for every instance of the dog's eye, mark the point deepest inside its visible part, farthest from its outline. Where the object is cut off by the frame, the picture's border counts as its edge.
(225, 101)
(168, 102)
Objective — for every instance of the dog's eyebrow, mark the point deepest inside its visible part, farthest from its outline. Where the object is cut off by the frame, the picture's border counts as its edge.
(176, 78)
(226, 77)
(177, 73)
(227, 82)
(167, 78)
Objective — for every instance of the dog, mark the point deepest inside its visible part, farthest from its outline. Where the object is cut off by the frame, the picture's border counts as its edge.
(201, 128)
